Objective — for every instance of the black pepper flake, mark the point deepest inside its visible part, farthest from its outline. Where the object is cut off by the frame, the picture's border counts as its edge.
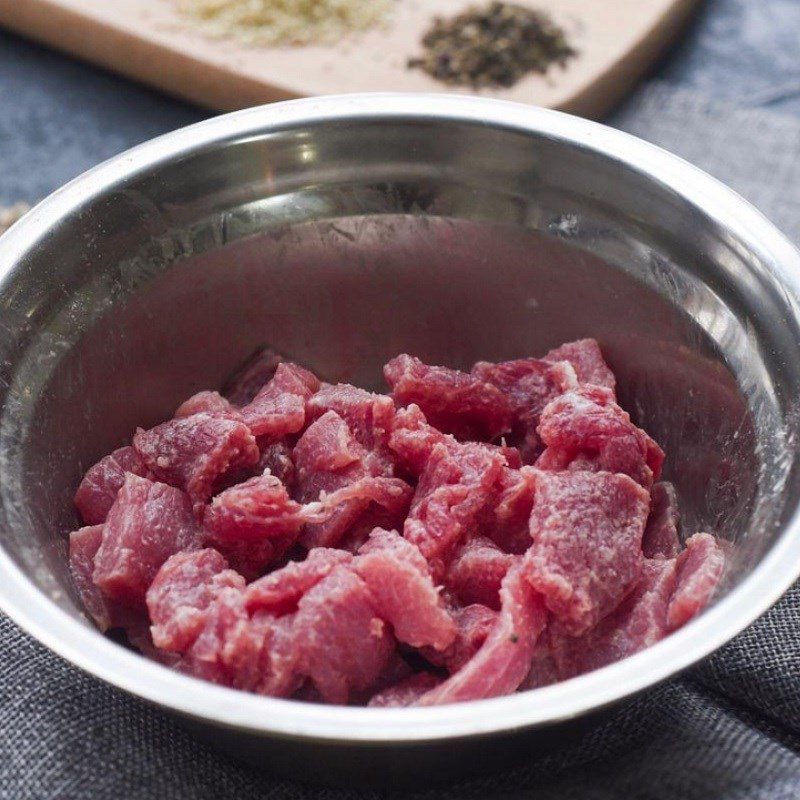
(492, 46)
(514, 638)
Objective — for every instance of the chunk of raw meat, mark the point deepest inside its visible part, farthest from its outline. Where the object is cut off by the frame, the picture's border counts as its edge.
(277, 459)
(334, 469)
(403, 592)
(474, 623)
(147, 524)
(212, 403)
(476, 572)
(585, 429)
(181, 593)
(83, 547)
(699, 569)
(661, 534)
(412, 439)
(246, 382)
(529, 384)
(587, 536)
(506, 521)
(454, 489)
(454, 402)
(369, 416)
(504, 660)
(343, 645)
(279, 408)
(587, 361)
(193, 453)
(405, 693)
(280, 591)
(99, 487)
(638, 622)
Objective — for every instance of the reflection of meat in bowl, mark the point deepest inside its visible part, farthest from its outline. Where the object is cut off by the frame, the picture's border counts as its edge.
(342, 232)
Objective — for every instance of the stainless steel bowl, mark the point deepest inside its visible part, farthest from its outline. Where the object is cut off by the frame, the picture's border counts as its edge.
(345, 229)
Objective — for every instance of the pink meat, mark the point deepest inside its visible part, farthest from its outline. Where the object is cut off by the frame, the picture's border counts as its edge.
(529, 384)
(587, 361)
(454, 489)
(279, 408)
(476, 572)
(412, 439)
(454, 402)
(181, 593)
(405, 693)
(343, 645)
(543, 671)
(402, 591)
(504, 660)
(147, 524)
(246, 382)
(193, 453)
(280, 591)
(586, 553)
(212, 403)
(638, 622)
(699, 570)
(336, 470)
(661, 534)
(83, 547)
(277, 459)
(368, 416)
(474, 623)
(99, 487)
(506, 520)
(585, 429)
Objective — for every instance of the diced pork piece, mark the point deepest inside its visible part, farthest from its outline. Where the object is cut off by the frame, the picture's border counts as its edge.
(212, 403)
(193, 453)
(83, 547)
(661, 534)
(585, 429)
(454, 489)
(403, 592)
(181, 593)
(638, 622)
(476, 572)
(277, 459)
(587, 535)
(587, 361)
(280, 591)
(529, 384)
(251, 377)
(333, 468)
(99, 487)
(504, 660)
(506, 521)
(369, 416)
(405, 693)
(279, 408)
(474, 623)
(700, 567)
(343, 645)
(412, 439)
(147, 524)
(454, 402)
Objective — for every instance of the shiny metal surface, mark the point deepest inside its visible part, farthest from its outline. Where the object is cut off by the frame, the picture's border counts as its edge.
(341, 231)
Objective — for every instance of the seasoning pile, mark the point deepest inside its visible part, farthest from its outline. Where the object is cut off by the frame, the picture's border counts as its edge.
(492, 46)
(285, 22)
(470, 535)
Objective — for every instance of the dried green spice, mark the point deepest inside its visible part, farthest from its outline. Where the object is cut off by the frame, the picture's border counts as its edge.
(492, 46)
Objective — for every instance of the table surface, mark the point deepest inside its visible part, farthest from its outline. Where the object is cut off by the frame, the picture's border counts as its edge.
(59, 117)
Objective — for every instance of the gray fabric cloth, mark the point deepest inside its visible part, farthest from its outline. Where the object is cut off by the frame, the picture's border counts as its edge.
(729, 729)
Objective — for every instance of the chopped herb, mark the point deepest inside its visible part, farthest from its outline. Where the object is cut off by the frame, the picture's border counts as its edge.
(492, 46)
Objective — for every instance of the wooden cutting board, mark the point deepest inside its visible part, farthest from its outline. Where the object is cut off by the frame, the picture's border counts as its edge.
(146, 39)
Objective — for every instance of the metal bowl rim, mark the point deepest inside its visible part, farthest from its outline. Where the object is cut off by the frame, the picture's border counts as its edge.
(90, 651)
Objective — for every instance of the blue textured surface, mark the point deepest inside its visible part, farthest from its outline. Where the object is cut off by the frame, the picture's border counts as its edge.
(59, 117)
